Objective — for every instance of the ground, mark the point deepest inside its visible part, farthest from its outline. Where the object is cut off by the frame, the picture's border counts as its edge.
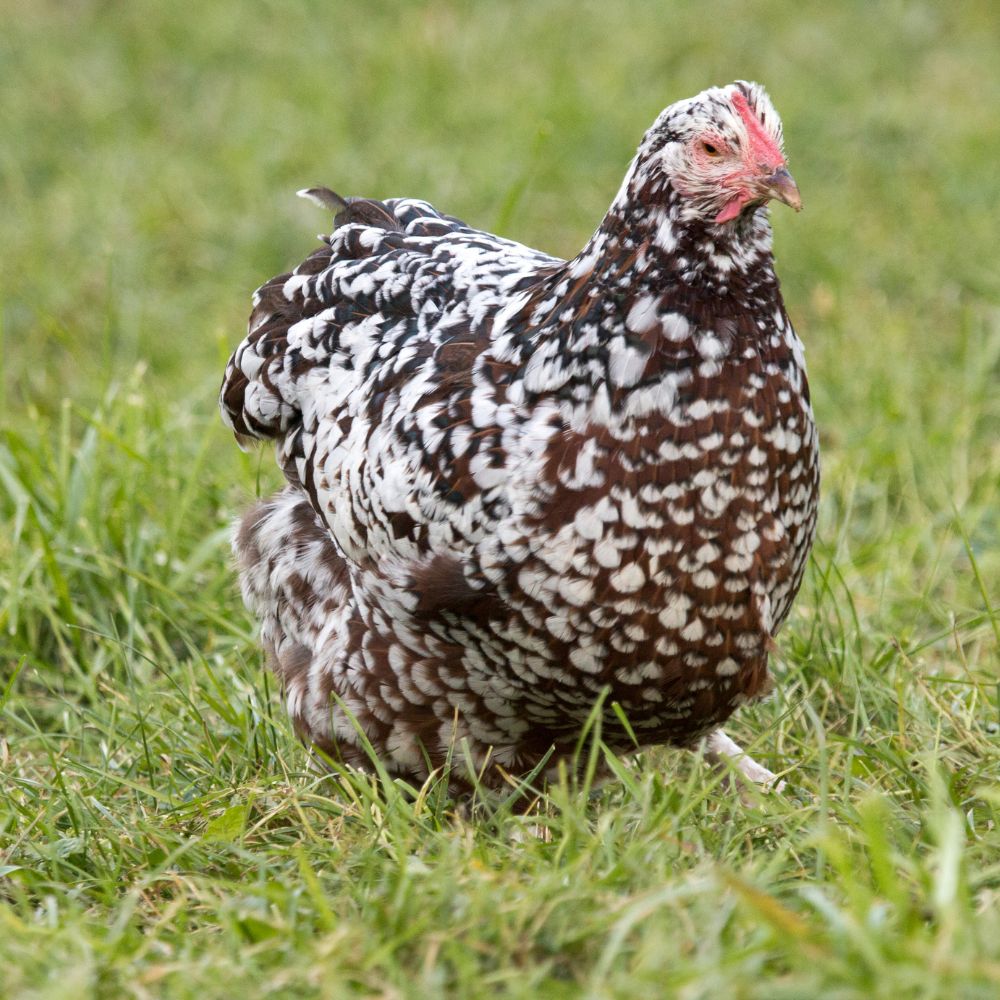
(160, 834)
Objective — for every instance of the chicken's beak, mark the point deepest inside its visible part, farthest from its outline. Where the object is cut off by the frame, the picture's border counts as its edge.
(781, 185)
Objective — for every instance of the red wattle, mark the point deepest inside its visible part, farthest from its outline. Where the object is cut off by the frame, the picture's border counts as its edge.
(731, 210)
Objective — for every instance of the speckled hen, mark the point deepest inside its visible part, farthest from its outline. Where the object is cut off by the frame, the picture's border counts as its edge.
(519, 484)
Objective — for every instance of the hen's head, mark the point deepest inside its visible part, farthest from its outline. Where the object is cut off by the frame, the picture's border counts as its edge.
(721, 152)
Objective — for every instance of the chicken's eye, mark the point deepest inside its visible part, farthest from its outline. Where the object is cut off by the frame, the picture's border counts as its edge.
(710, 149)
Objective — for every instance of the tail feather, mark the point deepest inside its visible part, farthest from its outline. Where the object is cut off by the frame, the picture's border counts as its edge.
(353, 211)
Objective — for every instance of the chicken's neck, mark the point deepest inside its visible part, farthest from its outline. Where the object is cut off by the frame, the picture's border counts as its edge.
(650, 243)
(655, 298)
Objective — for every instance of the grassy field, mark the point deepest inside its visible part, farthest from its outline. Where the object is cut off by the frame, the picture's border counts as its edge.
(160, 834)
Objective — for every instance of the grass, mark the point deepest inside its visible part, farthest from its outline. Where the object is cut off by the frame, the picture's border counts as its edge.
(160, 834)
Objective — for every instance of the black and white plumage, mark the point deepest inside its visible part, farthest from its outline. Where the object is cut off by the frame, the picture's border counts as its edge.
(516, 483)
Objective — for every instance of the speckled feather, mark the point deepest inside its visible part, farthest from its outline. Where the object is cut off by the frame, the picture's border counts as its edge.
(516, 482)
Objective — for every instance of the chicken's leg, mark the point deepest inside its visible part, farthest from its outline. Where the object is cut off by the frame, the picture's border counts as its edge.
(720, 749)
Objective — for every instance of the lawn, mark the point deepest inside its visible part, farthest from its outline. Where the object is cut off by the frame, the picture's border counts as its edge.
(160, 832)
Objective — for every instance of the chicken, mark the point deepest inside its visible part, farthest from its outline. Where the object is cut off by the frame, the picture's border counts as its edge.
(520, 486)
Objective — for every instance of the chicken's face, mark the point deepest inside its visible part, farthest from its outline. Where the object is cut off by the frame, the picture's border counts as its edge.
(722, 153)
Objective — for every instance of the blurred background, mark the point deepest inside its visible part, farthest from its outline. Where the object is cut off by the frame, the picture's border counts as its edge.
(149, 155)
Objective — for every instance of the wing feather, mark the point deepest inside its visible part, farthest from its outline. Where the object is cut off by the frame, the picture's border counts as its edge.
(370, 367)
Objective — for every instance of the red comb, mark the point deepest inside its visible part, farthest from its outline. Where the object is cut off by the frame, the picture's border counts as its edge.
(763, 148)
